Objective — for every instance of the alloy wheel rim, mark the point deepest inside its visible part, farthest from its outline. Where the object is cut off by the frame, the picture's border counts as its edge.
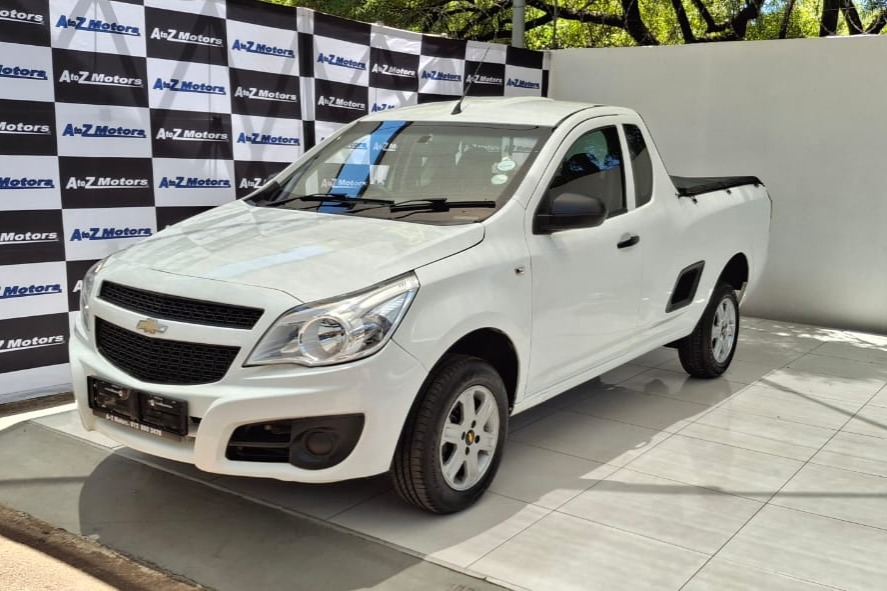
(723, 330)
(470, 437)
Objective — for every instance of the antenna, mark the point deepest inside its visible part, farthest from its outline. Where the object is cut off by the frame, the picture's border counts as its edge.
(458, 108)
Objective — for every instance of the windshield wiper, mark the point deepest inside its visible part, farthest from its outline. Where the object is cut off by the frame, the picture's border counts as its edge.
(329, 197)
(438, 204)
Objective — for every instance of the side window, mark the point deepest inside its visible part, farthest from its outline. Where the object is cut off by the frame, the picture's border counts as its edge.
(641, 167)
(593, 166)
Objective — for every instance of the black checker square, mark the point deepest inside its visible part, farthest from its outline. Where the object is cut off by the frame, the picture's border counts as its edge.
(394, 70)
(100, 78)
(339, 102)
(249, 176)
(106, 182)
(265, 95)
(27, 128)
(31, 237)
(25, 21)
(34, 341)
(185, 37)
(186, 134)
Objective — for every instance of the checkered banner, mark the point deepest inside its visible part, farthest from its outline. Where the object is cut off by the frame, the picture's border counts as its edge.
(121, 117)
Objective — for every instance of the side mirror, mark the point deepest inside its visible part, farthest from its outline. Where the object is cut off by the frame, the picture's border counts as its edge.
(569, 211)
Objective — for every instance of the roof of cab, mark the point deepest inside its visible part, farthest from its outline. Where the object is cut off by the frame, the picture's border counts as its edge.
(510, 110)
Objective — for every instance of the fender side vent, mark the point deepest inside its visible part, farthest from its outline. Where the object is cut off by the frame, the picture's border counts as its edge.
(685, 287)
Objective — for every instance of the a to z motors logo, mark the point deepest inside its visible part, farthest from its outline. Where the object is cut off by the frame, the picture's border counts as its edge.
(22, 73)
(95, 25)
(9, 183)
(251, 183)
(18, 344)
(179, 36)
(387, 70)
(268, 139)
(518, 83)
(262, 49)
(177, 85)
(341, 62)
(105, 182)
(103, 131)
(98, 79)
(190, 135)
(19, 16)
(193, 182)
(262, 94)
(340, 103)
(24, 291)
(78, 235)
(27, 237)
(441, 76)
(20, 128)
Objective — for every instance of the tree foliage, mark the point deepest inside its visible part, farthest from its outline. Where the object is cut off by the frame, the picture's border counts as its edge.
(603, 23)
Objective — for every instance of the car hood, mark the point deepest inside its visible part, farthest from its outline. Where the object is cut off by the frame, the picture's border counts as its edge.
(309, 255)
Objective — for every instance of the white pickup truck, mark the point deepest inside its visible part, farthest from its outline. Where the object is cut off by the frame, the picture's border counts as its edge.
(389, 300)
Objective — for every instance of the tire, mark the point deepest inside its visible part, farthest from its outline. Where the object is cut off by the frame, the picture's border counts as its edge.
(445, 460)
(708, 351)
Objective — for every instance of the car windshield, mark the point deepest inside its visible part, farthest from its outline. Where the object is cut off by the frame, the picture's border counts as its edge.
(428, 172)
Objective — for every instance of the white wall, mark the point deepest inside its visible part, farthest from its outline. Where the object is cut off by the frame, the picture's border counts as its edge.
(809, 117)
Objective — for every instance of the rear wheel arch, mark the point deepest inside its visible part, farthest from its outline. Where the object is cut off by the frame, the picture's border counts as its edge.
(736, 272)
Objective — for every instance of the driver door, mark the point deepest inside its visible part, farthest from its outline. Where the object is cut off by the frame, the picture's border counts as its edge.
(586, 281)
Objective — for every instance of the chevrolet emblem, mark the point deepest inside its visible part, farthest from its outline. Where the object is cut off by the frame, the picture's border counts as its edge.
(151, 326)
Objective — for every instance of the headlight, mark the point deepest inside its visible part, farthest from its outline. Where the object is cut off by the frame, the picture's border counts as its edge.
(86, 288)
(340, 330)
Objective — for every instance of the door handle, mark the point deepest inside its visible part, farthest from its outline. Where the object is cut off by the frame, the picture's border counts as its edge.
(628, 240)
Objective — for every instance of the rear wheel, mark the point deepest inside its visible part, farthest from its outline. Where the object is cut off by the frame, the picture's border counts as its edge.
(452, 444)
(708, 351)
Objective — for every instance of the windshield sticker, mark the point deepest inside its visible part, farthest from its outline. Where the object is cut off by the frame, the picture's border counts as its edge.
(506, 165)
(499, 179)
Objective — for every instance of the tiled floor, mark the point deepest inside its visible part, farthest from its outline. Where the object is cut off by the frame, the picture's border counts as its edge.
(772, 477)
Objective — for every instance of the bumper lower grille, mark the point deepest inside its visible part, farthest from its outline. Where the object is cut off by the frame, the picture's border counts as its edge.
(160, 361)
(179, 308)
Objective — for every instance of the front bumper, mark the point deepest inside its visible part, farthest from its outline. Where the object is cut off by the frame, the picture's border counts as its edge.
(382, 388)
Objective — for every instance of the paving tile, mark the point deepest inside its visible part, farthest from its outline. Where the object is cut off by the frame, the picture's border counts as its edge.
(723, 575)
(740, 372)
(69, 422)
(871, 349)
(851, 451)
(774, 354)
(792, 406)
(180, 468)
(564, 553)
(656, 357)
(458, 539)
(655, 412)
(317, 500)
(811, 547)
(880, 398)
(716, 466)
(758, 433)
(622, 373)
(683, 515)
(681, 386)
(870, 420)
(844, 368)
(821, 384)
(546, 478)
(601, 440)
(832, 492)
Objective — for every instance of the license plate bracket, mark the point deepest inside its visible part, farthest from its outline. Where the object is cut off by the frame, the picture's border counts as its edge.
(147, 412)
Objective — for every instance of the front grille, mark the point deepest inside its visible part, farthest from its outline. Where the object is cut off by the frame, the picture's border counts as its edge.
(160, 361)
(179, 308)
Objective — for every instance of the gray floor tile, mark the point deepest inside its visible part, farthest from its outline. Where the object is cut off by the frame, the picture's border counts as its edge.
(764, 434)
(723, 575)
(843, 368)
(870, 420)
(601, 440)
(822, 385)
(813, 548)
(654, 412)
(69, 422)
(868, 348)
(832, 492)
(686, 516)
(457, 539)
(545, 478)
(792, 406)
(740, 372)
(564, 553)
(716, 466)
(656, 357)
(679, 385)
(851, 451)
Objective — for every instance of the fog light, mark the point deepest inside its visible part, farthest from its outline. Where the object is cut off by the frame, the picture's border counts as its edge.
(319, 443)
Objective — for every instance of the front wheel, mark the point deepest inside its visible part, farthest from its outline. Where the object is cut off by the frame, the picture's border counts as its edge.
(452, 444)
(708, 351)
